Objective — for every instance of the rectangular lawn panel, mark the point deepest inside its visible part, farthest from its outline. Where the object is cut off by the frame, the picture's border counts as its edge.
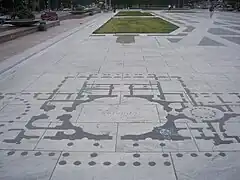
(136, 25)
(133, 13)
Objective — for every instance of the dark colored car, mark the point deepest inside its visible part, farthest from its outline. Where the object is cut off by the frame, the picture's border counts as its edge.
(49, 16)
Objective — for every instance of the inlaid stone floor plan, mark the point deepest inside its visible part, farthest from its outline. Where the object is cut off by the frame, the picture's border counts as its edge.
(91, 108)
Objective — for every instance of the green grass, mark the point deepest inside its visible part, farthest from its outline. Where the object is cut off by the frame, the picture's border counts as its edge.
(136, 25)
(133, 13)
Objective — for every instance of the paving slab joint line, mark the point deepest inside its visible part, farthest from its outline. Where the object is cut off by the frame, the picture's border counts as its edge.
(41, 137)
(42, 49)
(173, 165)
(193, 137)
(55, 166)
(159, 119)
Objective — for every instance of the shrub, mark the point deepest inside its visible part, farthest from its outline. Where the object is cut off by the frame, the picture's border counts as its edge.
(22, 12)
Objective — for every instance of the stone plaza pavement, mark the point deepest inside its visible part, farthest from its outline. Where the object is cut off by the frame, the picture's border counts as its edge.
(147, 107)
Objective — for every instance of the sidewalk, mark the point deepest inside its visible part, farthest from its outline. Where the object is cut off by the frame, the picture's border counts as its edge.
(21, 44)
(125, 107)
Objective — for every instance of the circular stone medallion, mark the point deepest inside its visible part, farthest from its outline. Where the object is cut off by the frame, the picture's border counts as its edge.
(202, 113)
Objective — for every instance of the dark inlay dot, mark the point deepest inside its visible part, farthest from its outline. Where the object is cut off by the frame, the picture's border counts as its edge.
(194, 155)
(77, 163)
(162, 144)
(1, 132)
(38, 153)
(179, 155)
(26, 110)
(121, 163)
(136, 155)
(70, 144)
(28, 104)
(165, 155)
(92, 163)
(24, 153)
(10, 153)
(167, 163)
(24, 114)
(208, 154)
(152, 163)
(28, 107)
(136, 163)
(62, 162)
(2, 125)
(51, 154)
(222, 154)
(10, 121)
(96, 144)
(25, 101)
(18, 117)
(94, 155)
(135, 144)
(65, 154)
(106, 163)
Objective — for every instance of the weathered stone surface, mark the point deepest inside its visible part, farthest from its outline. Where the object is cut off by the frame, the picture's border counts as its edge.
(125, 110)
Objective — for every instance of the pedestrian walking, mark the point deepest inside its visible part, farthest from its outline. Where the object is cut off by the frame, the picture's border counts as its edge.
(169, 7)
(211, 10)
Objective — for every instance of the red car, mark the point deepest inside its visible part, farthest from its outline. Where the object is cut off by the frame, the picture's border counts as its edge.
(49, 16)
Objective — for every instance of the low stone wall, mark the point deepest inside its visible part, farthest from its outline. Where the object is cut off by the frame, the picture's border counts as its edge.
(23, 31)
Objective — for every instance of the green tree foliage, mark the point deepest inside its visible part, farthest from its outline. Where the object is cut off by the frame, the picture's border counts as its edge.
(66, 3)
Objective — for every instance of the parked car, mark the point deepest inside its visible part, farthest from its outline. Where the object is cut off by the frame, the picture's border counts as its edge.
(49, 16)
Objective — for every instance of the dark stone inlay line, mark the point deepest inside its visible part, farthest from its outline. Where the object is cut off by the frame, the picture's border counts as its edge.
(168, 131)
